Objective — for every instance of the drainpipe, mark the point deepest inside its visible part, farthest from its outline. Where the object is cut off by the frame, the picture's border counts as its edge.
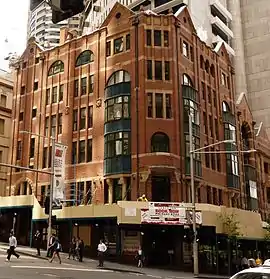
(135, 23)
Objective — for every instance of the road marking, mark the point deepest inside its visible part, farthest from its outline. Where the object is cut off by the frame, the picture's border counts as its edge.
(49, 275)
(61, 268)
(154, 276)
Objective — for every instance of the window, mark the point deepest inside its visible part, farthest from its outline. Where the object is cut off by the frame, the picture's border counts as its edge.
(209, 95)
(83, 85)
(214, 98)
(187, 80)
(185, 49)
(203, 90)
(54, 94)
(158, 70)
(127, 41)
(45, 157)
(225, 107)
(118, 77)
(207, 158)
(191, 54)
(149, 69)
(2, 126)
(81, 151)
(60, 123)
(76, 88)
(74, 152)
(47, 123)
(3, 100)
(19, 151)
(36, 60)
(220, 198)
(34, 112)
(53, 125)
(167, 70)
(108, 48)
(150, 105)
(21, 116)
(85, 58)
(61, 92)
(75, 120)
(230, 132)
(88, 192)
(168, 106)
(166, 38)
(89, 150)
(23, 90)
(216, 129)
(48, 95)
(56, 68)
(213, 159)
(149, 37)
(35, 85)
(157, 38)
(160, 143)
(211, 126)
(117, 144)
(117, 108)
(218, 161)
(91, 84)
(205, 123)
(159, 105)
(118, 45)
(82, 118)
(193, 108)
(234, 162)
(90, 117)
(32, 148)
(24, 65)
(223, 79)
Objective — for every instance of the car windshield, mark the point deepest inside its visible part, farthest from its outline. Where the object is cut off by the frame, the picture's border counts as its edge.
(252, 275)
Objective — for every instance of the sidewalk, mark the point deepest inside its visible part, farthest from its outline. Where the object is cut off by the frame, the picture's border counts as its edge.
(151, 272)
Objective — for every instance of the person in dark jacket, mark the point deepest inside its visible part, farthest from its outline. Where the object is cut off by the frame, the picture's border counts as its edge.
(81, 249)
(72, 248)
(57, 248)
(38, 239)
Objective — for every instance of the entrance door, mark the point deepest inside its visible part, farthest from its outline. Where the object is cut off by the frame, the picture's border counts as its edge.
(161, 189)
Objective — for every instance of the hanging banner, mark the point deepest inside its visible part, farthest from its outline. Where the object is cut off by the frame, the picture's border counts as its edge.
(164, 213)
(59, 173)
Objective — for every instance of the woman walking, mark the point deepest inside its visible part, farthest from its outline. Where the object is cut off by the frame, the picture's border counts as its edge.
(56, 250)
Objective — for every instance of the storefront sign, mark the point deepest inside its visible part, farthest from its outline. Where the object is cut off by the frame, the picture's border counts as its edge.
(168, 214)
(59, 173)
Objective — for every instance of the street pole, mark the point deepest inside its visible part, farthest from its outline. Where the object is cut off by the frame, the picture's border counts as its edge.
(193, 198)
(51, 193)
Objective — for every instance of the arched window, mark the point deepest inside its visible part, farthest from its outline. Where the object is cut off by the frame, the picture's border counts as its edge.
(201, 62)
(56, 68)
(85, 57)
(187, 80)
(118, 77)
(212, 71)
(207, 66)
(160, 143)
(225, 107)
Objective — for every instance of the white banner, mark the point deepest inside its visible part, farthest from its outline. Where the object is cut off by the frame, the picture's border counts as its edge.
(168, 213)
(59, 173)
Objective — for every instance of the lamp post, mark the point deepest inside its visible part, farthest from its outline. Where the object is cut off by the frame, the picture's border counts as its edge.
(192, 182)
(52, 181)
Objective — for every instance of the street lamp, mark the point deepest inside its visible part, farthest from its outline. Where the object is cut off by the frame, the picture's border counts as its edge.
(192, 180)
(52, 181)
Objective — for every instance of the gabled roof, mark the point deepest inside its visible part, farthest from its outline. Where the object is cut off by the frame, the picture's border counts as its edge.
(184, 12)
(118, 7)
(31, 42)
(242, 99)
(219, 48)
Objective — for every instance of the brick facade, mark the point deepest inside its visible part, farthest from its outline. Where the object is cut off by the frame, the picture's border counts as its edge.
(179, 49)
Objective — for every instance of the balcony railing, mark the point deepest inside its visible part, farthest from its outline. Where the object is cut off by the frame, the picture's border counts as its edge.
(189, 93)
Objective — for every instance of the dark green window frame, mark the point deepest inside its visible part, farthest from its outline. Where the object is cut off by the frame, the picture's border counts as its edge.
(117, 108)
(117, 144)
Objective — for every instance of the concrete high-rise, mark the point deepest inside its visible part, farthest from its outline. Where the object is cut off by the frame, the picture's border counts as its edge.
(41, 27)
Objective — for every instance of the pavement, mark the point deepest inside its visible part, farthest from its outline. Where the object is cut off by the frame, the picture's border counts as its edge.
(30, 265)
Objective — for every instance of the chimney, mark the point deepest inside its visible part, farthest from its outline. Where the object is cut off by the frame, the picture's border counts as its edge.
(63, 35)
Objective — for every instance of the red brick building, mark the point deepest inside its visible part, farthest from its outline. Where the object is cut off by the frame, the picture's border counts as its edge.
(119, 99)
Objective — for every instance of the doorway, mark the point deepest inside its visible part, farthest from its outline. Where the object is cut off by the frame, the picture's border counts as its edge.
(161, 189)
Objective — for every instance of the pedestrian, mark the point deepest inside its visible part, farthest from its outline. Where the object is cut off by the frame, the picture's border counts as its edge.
(244, 263)
(140, 257)
(102, 248)
(12, 247)
(72, 248)
(57, 248)
(81, 249)
(38, 239)
(50, 248)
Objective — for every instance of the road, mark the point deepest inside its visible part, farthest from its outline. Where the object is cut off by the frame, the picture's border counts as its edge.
(34, 268)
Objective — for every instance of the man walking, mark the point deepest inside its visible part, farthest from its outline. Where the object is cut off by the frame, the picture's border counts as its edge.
(51, 248)
(38, 241)
(12, 246)
(102, 248)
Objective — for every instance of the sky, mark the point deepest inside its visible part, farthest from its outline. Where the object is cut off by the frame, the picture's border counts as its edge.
(13, 28)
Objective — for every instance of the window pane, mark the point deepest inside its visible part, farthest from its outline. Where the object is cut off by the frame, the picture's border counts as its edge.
(167, 70)
(61, 92)
(166, 38)
(149, 104)
(149, 69)
(168, 106)
(157, 37)
(149, 37)
(83, 86)
(127, 41)
(118, 45)
(159, 105)
(158, 70)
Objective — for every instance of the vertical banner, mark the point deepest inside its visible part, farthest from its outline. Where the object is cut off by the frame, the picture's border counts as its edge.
(59, 173)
